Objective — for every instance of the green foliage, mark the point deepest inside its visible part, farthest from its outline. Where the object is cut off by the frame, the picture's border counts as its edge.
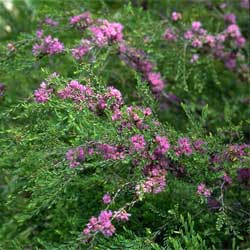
(44, 204)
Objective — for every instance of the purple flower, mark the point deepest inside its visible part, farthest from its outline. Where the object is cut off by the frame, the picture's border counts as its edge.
(101, 224)
(50, 22)
(155, 81)
(106, 199)
(138, 142)
(111, 152)
(48, 45)
(196, 43)
(176, 16)
(188, 34)
(227, 179)
(196, 26)
(213, 204)
(121, 215)
(202, 190)
(198, 145)
(75, 156)
(195, 58)
(245, 4)
(2, 88)
(233, 31)
(230, 18)
(154, 183)
(163, 145)
(81, 21)
(42, 94)
(80, 51)
(244, 176)
(184, 147)
(170, 35)
(106, 33)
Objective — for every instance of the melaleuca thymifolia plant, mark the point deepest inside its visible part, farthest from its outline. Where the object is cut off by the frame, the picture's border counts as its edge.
(84, 157)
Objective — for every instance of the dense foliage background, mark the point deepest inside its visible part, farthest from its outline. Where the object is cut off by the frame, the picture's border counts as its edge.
(173, 150)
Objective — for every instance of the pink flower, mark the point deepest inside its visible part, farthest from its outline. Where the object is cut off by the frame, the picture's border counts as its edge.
(117, 115)
(111, 152)
(188, 34)
(202, 190)
(107, 33)
(75, 156)
(220, 37)
(106, 199)
(184, 147)
(176, 16)
(240, 41)
(223, 5)
(154, 183)
(138, 142)
(195, 58)
(43, 93)
(101, 224)
(81, 50)
(163, 144)
(75, 91)
(233, 30)
(39, 33)
(230, 18)
(48, 45)
(197, 43)
(198, 145)
(227, 179)
(210, 40)
(121, 215)
(81, 21)
(147, 111)
(156, 82)
(196, 26)
(230, 63)
(170, 35)
(245, 4)
(50, 21)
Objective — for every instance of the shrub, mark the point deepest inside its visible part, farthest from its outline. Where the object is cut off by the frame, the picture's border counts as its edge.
(134, 133)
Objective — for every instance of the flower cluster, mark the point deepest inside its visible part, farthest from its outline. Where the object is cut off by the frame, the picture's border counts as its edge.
(184, 147)
(137, 59)
(138, 142)
(111, 152)
(121, 215)
(231, 153)
(49, 21)
(170, 35)
(81, 50)
(101, 224)
(175, 16)
(155, 181)
(42, 94)
(106, 33)
(75, 156)
(47, 45)
(245, 4)
(106, 199)
(221, 45)
(163, 145)
(75, 91)
(81, 21)
(244, 176)
(202, 190)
